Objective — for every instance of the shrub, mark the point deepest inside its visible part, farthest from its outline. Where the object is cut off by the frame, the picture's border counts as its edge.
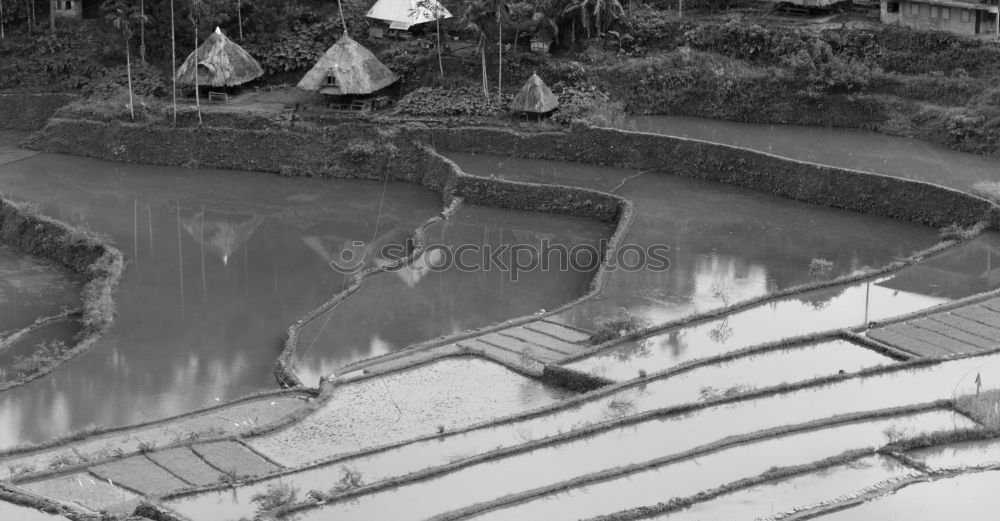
(590, 105)
(277, 495)
(622, 323)
(146, 81)
(464, 101)
(820, 267)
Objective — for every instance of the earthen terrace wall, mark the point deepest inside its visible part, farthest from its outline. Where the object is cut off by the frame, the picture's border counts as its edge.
(886, 196)
(25, 111)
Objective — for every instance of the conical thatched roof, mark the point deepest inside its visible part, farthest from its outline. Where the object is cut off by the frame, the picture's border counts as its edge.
(356, 69)
(219, 63)
(534, 97)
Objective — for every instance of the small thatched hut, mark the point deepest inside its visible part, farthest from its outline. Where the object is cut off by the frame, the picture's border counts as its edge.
(219, 62)
(347, 69)
(534, 98)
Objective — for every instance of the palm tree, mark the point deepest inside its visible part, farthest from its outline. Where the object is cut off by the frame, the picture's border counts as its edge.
(502, 10)
(173, 58)
(123, 17)
(599, 14)
(196, 7)
(477, 17)
(437, 11)
(142, 31)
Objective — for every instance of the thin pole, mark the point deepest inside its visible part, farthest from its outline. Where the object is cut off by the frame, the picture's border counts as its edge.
(149, 212)
(239, 16)
(142, 31)
(201, 233)
(180, 256)
(135, 230)
(2, 35)
(342, 19)
(173, 59)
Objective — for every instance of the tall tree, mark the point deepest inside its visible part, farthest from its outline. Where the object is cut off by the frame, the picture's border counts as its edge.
(197, 8)
(124, 17)
(477, 17)
(142, 31)
(173, 58)
(502, 10)
(596, 15)
(437, 11)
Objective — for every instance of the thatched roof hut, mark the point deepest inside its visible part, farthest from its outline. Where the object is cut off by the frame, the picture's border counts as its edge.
(347, 68)
(219, 62)
(535, 97)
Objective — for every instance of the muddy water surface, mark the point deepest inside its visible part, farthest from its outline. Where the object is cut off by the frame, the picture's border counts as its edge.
(443, 295)
(726, 243)
(846, 148)
(959, 272)
(220, 263)
(972, 497)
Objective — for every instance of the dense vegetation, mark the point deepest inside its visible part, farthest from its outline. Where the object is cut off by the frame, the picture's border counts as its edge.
(608, 57)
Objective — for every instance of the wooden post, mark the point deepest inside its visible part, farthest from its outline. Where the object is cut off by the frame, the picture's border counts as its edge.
(239, 16)
(2, 35)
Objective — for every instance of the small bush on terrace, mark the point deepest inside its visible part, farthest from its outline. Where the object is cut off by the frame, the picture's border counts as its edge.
(619, 325)
(277, 495)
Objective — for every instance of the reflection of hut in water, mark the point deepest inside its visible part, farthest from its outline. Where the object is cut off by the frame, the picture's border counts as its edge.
(349, 253)
(219, 64)
(534, 98)
(960, 272)
(349, 75)
(220, 235)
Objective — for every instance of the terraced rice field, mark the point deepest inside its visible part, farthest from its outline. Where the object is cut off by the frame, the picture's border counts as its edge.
(816, 405)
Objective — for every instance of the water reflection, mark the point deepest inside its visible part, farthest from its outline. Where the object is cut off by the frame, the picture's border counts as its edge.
(221, 235)
(437, 297)
(957, 273)
(727, 243)
(218, 267)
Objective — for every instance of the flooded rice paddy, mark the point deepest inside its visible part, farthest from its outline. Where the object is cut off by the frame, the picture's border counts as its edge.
(960, 272)
(783, 496)
(428, 301)
(707, 472)
(971, 497)
(208, 250)
(960, 455)
(648, 440)
(726, 244)
(32, 288)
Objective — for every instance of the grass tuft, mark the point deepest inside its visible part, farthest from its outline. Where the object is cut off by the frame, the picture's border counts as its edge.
(277, 495)
(983, 407)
